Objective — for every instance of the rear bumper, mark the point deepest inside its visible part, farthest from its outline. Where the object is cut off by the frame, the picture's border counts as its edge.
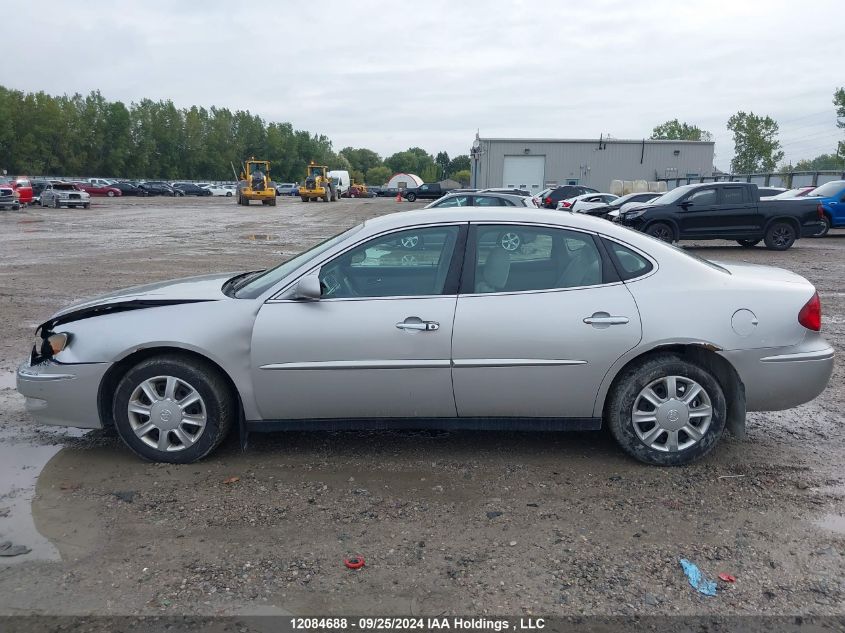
(783, 377)
(809, 229)
(63, 395)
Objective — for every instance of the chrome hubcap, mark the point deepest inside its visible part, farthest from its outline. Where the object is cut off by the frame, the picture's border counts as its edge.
(672, 414)
(167, 413)
(509, 241)
(781, 236)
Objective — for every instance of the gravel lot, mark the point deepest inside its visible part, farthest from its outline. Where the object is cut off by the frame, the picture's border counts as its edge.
(482, 523)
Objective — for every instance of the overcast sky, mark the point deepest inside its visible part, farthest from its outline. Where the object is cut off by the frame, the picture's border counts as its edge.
(390, 75)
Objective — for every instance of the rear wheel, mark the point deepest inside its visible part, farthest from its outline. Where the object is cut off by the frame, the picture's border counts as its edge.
(661, 231)
(825, 226)
(666, 411)
(110, 194)
(748, 243)
(780, 236)
(273, 201)
(173, 409)
(411, 197)
(304, 198)
(57, 204)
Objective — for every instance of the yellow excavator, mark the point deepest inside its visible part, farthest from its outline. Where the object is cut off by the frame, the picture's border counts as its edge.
(318, 185)
(255, 184)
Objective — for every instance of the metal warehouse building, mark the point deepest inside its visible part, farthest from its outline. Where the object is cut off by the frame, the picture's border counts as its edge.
(538, 163)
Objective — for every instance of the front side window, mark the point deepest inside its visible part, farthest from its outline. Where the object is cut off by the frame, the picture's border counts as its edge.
(413, 262)
(703, 197)
(454, 201)
(488, 201)
(512, 258)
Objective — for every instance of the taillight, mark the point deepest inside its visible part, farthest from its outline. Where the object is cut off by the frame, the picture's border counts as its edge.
(566, 204)
(820, 210)
(811, 314)
(548, 200)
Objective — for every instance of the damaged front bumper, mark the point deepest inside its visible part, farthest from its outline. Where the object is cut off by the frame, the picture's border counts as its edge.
(62, 394)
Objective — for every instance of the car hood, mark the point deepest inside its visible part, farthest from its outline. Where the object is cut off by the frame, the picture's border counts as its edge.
(758, 272)
(173, 292)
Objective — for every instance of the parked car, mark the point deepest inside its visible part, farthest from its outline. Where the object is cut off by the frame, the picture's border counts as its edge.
(8, 199)
(128, 189)
(481, 199)
(100, 189)
(797, 192)
(623, 202)
(102, 182)
(157, 188)
(354, 333)
(770, 192)
(551, 197)
(585, 202)
(287, 189)
(831, 195)
(22, 187)
(728, 211)
(219, 190)
(190, 189)
(426, 191)
(37, 187)
(517, 192)
(65, 194)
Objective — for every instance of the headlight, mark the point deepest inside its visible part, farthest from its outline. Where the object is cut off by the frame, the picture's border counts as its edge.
(630, 215)
(57, 342)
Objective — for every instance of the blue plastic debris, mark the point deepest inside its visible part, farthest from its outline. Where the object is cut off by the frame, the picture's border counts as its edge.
(697, 580)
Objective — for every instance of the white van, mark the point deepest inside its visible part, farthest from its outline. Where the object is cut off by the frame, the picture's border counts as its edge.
(341, 180)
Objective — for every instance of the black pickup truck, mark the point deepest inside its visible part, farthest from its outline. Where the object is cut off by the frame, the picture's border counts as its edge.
(426, 191)
(726, 211)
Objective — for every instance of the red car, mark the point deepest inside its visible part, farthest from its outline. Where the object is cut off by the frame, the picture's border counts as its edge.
(23, 189)
(99, 190)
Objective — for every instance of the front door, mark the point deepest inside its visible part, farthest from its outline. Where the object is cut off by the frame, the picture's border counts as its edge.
(699, 214)
(537, 328)
(377, 344)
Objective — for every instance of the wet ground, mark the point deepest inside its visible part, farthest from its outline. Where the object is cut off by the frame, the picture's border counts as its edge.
(498, 523)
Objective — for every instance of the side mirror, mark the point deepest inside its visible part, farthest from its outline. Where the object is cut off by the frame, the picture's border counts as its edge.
(308, 288)
(686, 204)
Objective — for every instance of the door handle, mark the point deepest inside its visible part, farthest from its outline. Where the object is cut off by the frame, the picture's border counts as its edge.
(414, 323)
(603, 318)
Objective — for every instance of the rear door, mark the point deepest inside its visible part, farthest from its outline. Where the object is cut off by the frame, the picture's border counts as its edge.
(739, 213)
(537, 328)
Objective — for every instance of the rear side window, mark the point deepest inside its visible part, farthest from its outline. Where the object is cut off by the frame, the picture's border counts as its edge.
(733, 195)
(629, 263)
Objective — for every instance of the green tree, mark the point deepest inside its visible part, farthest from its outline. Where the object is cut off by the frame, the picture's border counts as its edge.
(378, 175)
(756, 147)
(459, 163)
(820, 163)
(442, 162)
(674, 130)
(463, 176)
(361, 159)
(839, 102)
(430, 173)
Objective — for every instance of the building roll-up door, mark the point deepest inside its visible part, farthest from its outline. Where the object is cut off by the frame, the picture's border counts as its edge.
(524, 172)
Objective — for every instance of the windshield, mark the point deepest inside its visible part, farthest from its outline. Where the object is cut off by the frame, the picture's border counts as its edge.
(829, 189)
(676, 194)
(255, 286)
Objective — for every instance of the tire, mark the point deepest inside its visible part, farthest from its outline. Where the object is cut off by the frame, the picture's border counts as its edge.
(228, 194)
(661, 231)
(110, 194)
(57, 204)
(748, 243)
(780, 236)
(411, 197)
(656, 373)
(87, 205)
(326, 196)
(825, 226)
(216, 405)
(304, 199)
(273, 202)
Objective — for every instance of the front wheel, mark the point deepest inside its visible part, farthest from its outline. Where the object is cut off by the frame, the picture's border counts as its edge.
(110, 194)
(780, 236)
(666, 411)
(661, 231)
(748, 243)
(825, 221)
(173, 409)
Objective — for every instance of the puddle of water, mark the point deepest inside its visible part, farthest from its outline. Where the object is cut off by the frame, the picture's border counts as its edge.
(7, 381)
(832, 523)
(20, 465)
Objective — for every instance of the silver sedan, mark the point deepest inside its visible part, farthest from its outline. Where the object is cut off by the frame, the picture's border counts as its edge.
(584, 323)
